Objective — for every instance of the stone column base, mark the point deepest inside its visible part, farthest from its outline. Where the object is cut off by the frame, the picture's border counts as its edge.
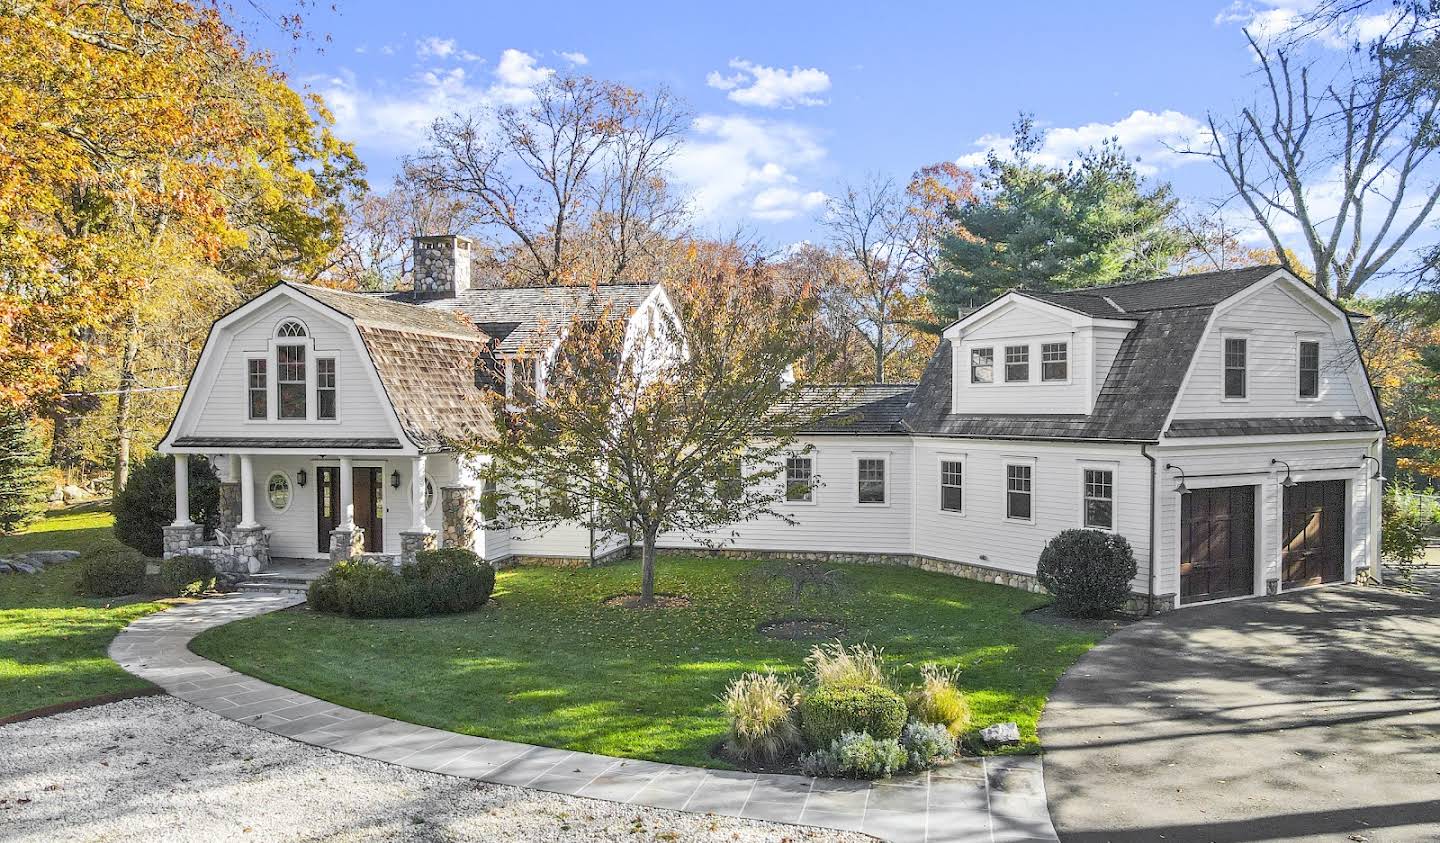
(346, 544)
(460, 517)
(414, 541)
(179, 538)
(250, 549)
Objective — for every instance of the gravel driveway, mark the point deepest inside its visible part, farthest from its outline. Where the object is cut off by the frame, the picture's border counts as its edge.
(158, 769)
(1314, 716)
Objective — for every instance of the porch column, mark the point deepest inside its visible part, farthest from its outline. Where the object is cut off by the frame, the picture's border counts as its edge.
(182, 491)
(347, 493)
(417, 496)
(247, 493)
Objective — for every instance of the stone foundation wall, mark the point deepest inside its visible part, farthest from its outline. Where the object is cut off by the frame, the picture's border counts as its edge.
(459, 517)
(229, 507)
(1024, 582)
(179, 539)
(414, 541)
(347, 544)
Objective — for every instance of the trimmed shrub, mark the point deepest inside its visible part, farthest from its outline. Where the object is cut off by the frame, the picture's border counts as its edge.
(111, 573)
(828, 712)
(454, 579)
(855, 755)
(185, 575)
(1088, 572)
(936, 700)
(762, 717)
(926, 744)
(438, 582)
(147, 503)
(834, 665)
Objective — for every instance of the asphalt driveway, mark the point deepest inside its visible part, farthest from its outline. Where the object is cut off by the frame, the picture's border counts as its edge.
(1314, 716)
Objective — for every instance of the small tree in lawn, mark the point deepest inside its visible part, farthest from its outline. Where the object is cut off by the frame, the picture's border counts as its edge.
(22, 478)
(684, 428)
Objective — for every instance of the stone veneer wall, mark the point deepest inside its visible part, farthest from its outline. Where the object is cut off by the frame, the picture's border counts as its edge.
(176, 540)
(442, 266)
(458, 517)
(347, 544)
(414, 541)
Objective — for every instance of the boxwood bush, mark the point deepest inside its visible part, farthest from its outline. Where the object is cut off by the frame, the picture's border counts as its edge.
(111, 573)
(1088, 572)
(828, 712)
(185, 575)
(437, 582)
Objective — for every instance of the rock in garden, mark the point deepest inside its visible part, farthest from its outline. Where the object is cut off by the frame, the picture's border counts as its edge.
(1000, 734)
(23, 567)
(5, 568)
(50, 557)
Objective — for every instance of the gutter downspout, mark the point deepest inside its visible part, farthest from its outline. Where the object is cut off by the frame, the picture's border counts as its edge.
(1154, 514)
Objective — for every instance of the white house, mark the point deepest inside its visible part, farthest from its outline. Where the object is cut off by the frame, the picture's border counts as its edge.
(1222, 422)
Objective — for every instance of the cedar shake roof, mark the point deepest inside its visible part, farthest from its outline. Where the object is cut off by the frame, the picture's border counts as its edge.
(426, 363)
(525, 318)
(1144, 379)
(874, 408)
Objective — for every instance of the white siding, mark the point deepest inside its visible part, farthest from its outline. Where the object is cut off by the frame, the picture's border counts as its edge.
(1272, 322)
(222, 410)
(834, 521)
(982, 535)
(1249, 464)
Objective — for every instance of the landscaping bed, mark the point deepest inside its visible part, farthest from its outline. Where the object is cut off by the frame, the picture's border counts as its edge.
(549, 663)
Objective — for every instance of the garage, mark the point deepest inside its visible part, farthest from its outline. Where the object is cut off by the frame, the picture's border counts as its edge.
(1312, 541)
(1217, 543)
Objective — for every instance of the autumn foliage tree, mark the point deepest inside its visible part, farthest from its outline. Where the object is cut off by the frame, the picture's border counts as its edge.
(671, 429)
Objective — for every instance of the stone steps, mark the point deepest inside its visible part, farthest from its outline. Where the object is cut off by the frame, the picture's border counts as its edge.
(274, 586)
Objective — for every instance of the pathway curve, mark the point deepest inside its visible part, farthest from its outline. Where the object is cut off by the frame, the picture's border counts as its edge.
(989, 800)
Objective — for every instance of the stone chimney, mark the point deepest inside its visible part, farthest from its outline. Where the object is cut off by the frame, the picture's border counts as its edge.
(442, 266)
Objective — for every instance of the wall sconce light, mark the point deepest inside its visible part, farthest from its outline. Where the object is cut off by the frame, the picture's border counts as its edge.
(300, 478)
(1180, 488)
(395, 479)
(1288, 481)
(1377, 475)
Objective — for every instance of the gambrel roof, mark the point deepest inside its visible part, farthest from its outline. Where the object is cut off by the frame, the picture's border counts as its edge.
(1144, 381)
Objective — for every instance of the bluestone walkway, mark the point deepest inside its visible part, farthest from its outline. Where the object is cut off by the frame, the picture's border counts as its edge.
(991, 800)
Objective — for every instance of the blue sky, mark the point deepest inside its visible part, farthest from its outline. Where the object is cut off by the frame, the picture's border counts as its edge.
(791, 99)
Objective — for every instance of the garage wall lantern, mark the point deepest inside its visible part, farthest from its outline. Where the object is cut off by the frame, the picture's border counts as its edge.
(395, 479)
(1180, 488)
(1377, 475)
(1288, 481)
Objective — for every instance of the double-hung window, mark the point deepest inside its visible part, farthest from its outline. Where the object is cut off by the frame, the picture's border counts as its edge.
(257, 389)
(1309, 369)
(1018, 492)
(290, 380)
(1055, 361)
(799, 479)
(982, 365)
(871, 486)
(1017, 363)
(1235, 354)
(952, 486)
(1099, 498)
(325, 388)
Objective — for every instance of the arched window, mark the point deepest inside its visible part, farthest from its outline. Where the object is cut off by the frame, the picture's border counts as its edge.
(290, 328)
(277, 491)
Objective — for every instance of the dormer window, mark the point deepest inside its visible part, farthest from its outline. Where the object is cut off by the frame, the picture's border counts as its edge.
(1017, 363)
(1055, 361)
(982, 365)
(522, 380)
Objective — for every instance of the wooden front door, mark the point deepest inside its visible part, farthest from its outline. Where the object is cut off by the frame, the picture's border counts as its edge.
(1312, 541)
(1217, 543)
(369, 506)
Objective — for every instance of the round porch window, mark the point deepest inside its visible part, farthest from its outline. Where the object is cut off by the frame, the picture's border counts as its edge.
(277, 492)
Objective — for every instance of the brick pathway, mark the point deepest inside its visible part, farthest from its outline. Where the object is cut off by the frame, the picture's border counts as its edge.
(989, 800)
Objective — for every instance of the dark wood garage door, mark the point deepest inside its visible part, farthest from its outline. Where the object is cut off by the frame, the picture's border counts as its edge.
(1217, 543)
(1312, 544)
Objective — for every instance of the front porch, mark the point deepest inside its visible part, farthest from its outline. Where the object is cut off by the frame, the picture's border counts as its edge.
(318, 509)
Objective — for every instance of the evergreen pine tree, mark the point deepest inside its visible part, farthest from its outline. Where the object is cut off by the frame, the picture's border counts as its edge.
(22, 473)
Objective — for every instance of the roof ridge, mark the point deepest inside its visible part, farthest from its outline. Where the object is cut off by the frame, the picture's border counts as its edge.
(1094, 288)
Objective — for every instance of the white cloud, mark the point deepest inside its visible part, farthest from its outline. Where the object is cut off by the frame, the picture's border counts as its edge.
(398, 118)
(771, 87)
(1268, 20)
(737, 167)
(1152, 137)
(439, 48)
(575, 58)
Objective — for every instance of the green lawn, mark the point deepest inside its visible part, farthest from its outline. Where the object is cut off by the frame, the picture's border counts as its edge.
(550, 665)
(52, 643)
